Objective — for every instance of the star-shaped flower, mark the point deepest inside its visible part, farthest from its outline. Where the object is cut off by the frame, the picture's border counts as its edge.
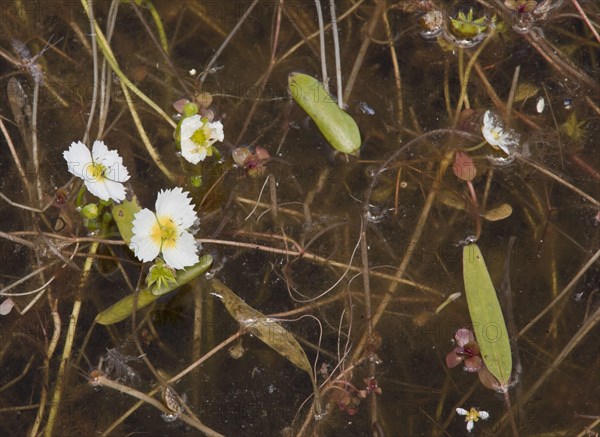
(494, 133)
(102, 170)
(472, 416)
(197, 137)
(166, 231)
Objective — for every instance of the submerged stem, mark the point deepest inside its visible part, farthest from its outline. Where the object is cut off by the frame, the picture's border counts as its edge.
(56, 399)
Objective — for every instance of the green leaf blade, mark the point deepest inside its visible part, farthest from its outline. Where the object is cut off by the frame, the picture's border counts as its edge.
(123, 214)
(123, 308)
(486, 315)
(338, 128)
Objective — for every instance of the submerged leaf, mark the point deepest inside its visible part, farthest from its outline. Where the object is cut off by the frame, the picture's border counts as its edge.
(123, 308)
(486, 315)
(267, 330)
(451, 199)
(574, 128)
(499, 213)
(123, 214)
(338, 128)
(525, 90)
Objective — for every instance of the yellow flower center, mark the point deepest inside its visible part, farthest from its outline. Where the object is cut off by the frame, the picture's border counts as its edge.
(96, 171)
(473, 415)
(164, 232)
(201, 136)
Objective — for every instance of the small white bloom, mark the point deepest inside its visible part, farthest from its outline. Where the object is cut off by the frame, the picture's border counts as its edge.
(102, 170)
(472, 416)
(166, 230)
(197, 137)
(494, 133)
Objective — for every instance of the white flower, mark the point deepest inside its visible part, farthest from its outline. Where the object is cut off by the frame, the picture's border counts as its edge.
(197, 137)
(494, 133)
(472, 416)
(166, 230)
(102, 170)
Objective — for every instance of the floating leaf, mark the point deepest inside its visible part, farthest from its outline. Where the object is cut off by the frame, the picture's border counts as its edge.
(486, 315)
(464, 167)
(123, 308)
(499, 213)
(123, 214)
(267, 330)
(338, 128)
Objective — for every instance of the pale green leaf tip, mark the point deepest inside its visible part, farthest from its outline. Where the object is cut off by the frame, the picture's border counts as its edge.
(336, 125)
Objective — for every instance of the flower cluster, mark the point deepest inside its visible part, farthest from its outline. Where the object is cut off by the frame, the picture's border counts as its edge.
(165, 231)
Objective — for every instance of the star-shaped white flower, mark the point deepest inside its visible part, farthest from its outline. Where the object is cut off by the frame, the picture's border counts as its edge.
(166, 230)
(472, 416)
(494, 133)
(197, 137)
(102, 170)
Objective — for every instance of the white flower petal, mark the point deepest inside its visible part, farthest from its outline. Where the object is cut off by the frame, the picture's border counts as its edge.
(470, 425)
(99, 149)
(183, 254)
(116, 190)
(490, 135)
(217, 131)
(97, 188)
(462, 411)
(143, 245)
(191, 152)
(490, 121)
(78, 157)
(484, 415)
(503, 147)
(189, 125)
(112, 162)
(176, 204)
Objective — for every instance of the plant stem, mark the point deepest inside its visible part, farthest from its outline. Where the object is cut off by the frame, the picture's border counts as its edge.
(55, 405)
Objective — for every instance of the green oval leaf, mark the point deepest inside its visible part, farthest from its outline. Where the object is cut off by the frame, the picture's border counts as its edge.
(338, 128)
(498, 213)
(123, 308)
(486, 315)
(123, 214)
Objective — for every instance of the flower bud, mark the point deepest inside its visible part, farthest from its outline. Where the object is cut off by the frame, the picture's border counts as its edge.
(90, 211)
